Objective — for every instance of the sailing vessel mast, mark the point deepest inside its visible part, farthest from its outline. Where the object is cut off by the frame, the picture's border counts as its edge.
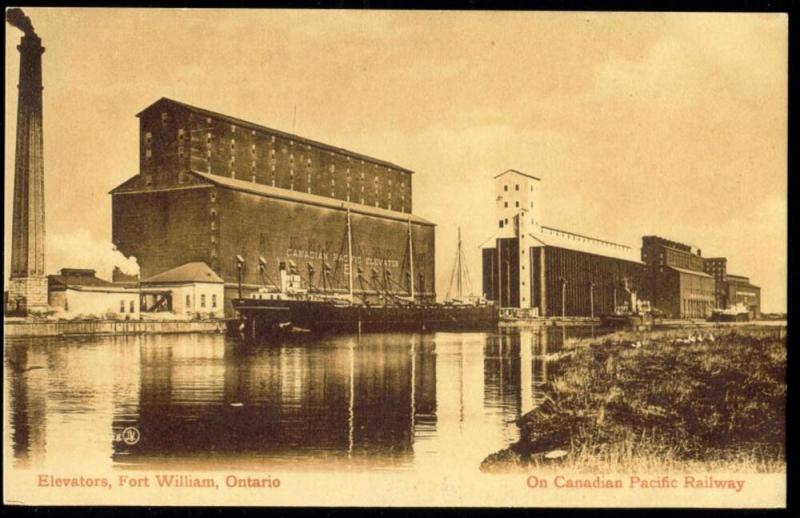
(411, 259)
(460, 274)
(459, 267)
(349, 255)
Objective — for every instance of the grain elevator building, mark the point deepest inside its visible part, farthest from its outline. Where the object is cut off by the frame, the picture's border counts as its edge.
(212, 187)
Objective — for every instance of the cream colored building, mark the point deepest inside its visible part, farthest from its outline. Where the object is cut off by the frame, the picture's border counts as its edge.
(80, 292)
(194, 289)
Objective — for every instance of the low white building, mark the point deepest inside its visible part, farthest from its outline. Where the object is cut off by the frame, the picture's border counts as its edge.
(193, 289)
(78, 291)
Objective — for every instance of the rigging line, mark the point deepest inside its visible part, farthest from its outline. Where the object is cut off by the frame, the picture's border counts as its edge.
(452, 278)
(339, 255)
(467, 274)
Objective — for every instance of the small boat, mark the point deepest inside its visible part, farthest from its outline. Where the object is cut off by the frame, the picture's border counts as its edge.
(632, 313)
(628, 320)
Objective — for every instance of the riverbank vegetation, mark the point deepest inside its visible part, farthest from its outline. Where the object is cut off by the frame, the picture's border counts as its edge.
(660, 401)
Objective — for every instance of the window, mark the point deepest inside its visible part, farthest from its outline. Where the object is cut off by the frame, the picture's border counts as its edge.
(501, 223)
(506, 220)
(213, 300)
(164, 117)
(122, 306)
(516, 187)
(505, 204)
(517, 204)
(202, 300)
(505, 187)
(148, 137)
(188, 301)
(132, 307)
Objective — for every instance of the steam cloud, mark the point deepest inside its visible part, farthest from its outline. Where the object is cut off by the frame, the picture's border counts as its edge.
(80, 250)
(20, 20)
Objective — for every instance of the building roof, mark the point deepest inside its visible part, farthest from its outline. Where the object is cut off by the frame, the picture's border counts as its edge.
(690, 272)
(651, 239)
(517, 172)
(314, 199)
(76, 277)
(186, 273)
(571, 241)
(258, 127)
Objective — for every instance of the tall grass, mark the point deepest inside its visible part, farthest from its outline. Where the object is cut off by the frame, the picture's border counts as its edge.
(643, 402)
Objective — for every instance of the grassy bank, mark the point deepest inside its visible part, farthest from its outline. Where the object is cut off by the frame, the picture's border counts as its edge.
(651, 402)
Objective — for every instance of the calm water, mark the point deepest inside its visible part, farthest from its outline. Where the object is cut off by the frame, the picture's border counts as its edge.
(382, 401)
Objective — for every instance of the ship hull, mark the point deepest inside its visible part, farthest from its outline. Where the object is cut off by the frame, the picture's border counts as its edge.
(628, 320)
(729, 317)
(260, 317)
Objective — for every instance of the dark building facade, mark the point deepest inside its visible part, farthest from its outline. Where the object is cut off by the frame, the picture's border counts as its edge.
(675, 279)
(212, 187)
(717, 267)
(176, 137)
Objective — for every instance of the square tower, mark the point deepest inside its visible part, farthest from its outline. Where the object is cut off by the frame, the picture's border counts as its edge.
(517, 194)
(518, 215)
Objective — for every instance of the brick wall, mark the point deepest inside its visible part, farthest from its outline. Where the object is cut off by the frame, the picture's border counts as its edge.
(163, 229)
(175, 139)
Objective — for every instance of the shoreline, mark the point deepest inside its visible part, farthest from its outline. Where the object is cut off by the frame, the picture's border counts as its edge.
(636, 401)
(64, 328)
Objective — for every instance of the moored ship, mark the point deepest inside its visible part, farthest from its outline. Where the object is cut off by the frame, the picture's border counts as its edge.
(737, 313)
(633, 312)
(293, 306)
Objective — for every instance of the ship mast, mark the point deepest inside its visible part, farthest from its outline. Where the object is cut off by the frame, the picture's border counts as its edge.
(460, 274)
(458, 266)
(411, 258)
(349, 255)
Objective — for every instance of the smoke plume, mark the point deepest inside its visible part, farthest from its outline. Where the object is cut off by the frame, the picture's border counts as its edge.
(20, 20)
(81, 250)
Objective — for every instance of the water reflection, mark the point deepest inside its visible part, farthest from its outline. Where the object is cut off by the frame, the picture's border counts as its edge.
(394, 401)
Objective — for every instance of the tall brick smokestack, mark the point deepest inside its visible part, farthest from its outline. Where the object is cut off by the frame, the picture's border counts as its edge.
(28, 285)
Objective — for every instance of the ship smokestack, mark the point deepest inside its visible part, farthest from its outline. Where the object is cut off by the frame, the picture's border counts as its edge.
(28, 286)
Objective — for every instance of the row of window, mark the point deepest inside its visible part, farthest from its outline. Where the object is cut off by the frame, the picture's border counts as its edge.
(516, 187)
(202, 300)
(331, 167)
(122, 306)
(505, 204)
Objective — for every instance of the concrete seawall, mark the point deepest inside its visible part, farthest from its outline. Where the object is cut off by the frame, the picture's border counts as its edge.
(23, 328)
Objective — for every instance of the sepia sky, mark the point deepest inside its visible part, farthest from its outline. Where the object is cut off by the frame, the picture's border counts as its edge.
(667, 124)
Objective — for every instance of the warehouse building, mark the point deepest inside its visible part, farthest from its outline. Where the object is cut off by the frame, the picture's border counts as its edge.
(212, 187)
(79, 291)
(717, 267)
(676, 279)
(190, 289)
(548, 271)
(739, 290)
